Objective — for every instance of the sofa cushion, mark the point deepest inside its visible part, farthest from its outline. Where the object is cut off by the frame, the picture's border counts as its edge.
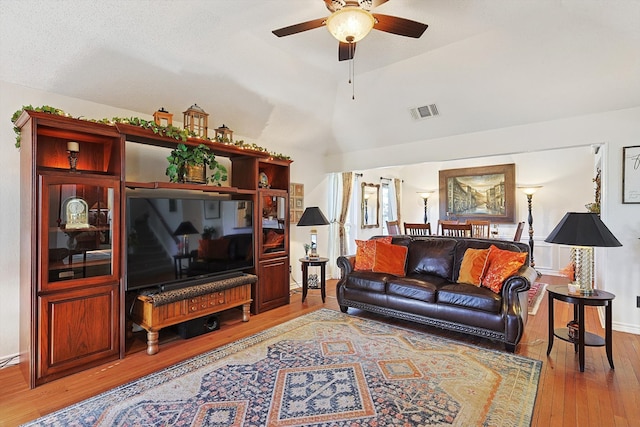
(431, 256)
(367, 280)
(470, 296)
(390, 259)
(473, 266)
(422, 288)
(474, 243)
(366, 252)
(502, 265)
(213, 249)
(240, 246)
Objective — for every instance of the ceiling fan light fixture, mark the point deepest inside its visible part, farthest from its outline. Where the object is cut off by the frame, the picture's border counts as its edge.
(350, 24)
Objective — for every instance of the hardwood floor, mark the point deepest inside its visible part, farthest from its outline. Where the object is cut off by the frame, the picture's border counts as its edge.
(598, 397)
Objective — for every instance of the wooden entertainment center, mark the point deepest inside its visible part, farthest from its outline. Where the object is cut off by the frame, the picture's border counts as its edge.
(73, 298)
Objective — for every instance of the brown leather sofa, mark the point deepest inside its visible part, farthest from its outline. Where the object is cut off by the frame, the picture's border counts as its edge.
(429, 294)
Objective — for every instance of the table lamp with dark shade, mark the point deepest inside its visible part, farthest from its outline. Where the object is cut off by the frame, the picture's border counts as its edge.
(313, 216)
(184, 229)
(585, 231)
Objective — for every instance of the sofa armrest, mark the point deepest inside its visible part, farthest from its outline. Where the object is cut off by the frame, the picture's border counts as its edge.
(514, 303)
(346, 264)
(519, 282)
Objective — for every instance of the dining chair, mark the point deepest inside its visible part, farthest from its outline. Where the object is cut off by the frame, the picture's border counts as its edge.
(519, 228)
(480, 228)
(457, 230)
(446, 222)
(417, 229)
(393, 227)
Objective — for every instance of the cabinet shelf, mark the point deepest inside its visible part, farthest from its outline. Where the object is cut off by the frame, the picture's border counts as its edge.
(44, 170)
(146, 136)
(180, 186)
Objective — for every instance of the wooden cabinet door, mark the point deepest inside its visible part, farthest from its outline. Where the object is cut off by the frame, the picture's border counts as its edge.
(78, 329)
(272, 288)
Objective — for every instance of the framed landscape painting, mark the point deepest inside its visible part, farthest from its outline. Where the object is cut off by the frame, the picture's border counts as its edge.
(478, 193)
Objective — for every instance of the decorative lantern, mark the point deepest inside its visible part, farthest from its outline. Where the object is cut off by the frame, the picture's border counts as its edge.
(195, 120)
(162, 117)
(224, 134)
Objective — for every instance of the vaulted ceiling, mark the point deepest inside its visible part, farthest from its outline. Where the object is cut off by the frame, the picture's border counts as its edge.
(486, 64)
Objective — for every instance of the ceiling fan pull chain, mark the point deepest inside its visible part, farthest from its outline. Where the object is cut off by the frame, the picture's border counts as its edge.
(352, 66)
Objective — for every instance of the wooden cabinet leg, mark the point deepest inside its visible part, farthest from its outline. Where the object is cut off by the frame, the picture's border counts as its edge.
(246, 312)
(152, 342)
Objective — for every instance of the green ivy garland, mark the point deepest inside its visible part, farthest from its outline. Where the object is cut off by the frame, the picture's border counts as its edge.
(168, 131)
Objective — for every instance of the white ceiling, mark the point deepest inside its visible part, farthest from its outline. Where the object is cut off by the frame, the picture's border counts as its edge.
(486, 63)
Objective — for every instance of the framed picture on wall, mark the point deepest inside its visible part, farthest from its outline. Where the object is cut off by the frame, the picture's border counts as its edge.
(212, 209)
(631, 174)
(479, 193)
(296, 202)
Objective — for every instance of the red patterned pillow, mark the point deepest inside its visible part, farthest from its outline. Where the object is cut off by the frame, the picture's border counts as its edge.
(390, 259)
(502, 264)
(473, 266)
(366, 252)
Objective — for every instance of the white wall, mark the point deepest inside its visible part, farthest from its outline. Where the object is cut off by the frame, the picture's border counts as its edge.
(618, 269)
(555, 170)
(621, 272)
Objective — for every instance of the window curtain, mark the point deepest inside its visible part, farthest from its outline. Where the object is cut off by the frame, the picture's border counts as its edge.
(340, 195)
(397, 191)
(347, 184)
(391, 201)
(334, 227)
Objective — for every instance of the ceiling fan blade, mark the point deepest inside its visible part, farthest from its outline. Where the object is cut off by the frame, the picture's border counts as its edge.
(298, 28)
(346, 51)
(399, 26)
(376, 3)
(329, 5)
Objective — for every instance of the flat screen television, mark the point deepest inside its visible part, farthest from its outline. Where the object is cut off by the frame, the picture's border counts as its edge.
(177, 241)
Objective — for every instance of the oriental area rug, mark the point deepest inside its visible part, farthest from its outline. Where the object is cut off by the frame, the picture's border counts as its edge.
(324, 369)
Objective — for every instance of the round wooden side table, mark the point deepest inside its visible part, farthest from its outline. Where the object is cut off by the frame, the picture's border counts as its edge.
(313, 262)
(598, 299)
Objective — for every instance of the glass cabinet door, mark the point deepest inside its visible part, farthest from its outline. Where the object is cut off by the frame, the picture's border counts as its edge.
(273, 209)
(78, 222)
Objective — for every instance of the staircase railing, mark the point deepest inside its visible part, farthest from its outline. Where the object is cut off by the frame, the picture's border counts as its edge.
(164, 224)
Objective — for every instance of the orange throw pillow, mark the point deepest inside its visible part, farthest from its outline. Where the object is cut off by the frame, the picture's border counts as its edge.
(390, 259)
(502, 264)
(473, 265)
(366, 252)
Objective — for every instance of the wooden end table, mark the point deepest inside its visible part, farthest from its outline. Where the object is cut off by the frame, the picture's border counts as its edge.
(314, 262)
(179, 268)
(598, 299)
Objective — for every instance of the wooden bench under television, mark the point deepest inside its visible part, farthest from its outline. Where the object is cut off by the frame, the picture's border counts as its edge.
(154, 311)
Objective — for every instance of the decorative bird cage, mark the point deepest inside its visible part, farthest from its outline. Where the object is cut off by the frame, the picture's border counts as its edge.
(224, 134)
(196, 120)
(162, 117)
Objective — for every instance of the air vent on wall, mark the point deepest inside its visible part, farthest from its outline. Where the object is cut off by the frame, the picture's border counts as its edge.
(424, 112)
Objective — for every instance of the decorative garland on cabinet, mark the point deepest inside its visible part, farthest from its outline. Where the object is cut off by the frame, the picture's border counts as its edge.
(168, 131)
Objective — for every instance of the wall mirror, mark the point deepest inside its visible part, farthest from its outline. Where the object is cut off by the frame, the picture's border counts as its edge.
(370, 205)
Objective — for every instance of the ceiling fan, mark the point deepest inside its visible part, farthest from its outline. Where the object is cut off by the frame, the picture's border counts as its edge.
(351, 20)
